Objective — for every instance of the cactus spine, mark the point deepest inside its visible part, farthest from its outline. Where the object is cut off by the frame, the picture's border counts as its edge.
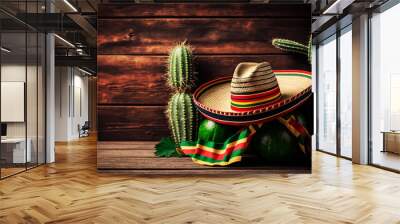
(182, 115)
(293, 46)
(180, 69)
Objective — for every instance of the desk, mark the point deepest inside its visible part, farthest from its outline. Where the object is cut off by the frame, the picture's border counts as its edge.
(391, 141)
(16, 147)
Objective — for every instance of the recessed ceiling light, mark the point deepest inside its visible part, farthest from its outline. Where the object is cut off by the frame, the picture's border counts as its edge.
(338, 6)
(64, 40)
(70, 5)
(5, 50)
(84, 71)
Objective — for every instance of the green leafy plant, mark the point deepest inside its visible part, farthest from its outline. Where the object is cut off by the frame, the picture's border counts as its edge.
(167, 148)
(293, 46)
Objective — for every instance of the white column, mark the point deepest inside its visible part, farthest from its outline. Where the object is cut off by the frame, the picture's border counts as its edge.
(360, 90)
(50, 99)
(50, 92)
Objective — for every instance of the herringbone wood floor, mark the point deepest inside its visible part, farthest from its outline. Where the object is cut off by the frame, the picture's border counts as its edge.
(71, 191)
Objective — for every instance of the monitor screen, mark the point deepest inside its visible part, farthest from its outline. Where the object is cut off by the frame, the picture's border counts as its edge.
(3, 129)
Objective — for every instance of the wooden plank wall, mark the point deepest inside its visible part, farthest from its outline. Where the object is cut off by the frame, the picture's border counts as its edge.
(133, 44)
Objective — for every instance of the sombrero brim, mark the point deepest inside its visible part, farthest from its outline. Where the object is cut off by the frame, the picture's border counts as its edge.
(213, 99)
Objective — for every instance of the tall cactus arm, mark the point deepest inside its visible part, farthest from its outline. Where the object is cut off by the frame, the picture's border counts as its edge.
(182, 117)
(310, 50)
(180, 68)
(290, 46)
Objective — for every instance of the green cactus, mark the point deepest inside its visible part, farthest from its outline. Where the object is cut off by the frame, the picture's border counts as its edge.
(293, 46)
(183, 117)
(180, 69)
(290, 46)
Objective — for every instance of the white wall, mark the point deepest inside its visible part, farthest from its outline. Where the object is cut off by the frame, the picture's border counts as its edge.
(81, 102)
(17, 72)
(71, 102)
(62, 82)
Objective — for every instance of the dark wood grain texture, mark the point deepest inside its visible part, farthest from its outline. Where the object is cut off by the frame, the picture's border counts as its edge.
(127, 79)
(208, 36)
(236, 10)
(132, 80)
(130, 123)
(134, 161)
(134, 39)
(140, 156)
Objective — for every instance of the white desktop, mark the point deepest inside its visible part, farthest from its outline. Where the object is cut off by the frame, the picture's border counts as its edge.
(16, 146)
(12, 111)
(18, 149)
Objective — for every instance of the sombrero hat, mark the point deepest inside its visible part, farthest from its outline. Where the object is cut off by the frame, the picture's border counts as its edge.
(254, 94)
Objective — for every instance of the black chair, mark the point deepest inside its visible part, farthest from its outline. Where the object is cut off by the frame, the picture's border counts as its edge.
(84, 130)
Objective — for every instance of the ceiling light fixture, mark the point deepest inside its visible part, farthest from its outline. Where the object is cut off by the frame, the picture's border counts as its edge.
(70, 5)
(65, 41)
(79, 51)
(5, 50)
(84, 71)
(337, 7)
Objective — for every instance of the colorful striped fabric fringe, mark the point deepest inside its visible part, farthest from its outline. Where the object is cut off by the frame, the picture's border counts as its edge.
(219, 154)
(231, 151)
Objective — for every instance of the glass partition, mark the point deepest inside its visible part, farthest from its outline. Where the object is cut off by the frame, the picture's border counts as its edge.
(326, 99)
(14, 153)
(346, 92)
(385, 89)
(22, 88)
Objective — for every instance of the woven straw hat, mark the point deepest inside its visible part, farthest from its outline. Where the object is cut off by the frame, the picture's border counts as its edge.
(254, 94)
(253, 86)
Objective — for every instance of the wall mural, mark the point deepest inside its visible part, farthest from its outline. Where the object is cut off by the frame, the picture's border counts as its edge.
(214, 85)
